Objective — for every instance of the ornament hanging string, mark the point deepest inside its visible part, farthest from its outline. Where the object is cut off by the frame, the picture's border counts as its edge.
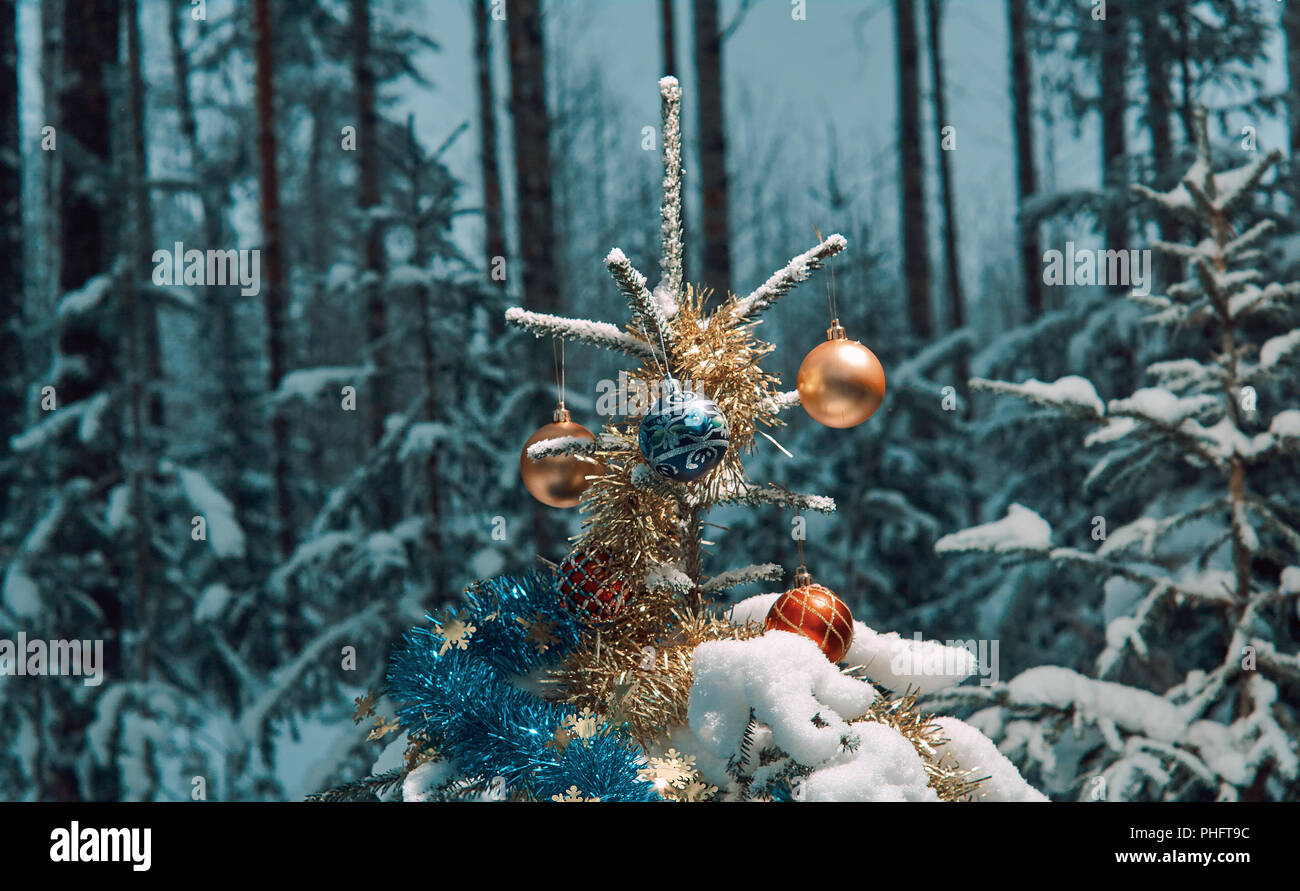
(668, 373)
(558, 356)
(830, 285)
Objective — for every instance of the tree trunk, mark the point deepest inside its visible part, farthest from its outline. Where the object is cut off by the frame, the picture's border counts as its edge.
(1113, 63)
(1157, 50)
(667, 21)
(533, 190)
(368, 180)
(12, 370)
(494, 226)
(386, 492)
(952, 268)
(273, 286)
(1018, 23)
(1291, 25)
(88, 342)
(143, 358)
(716, 256)
(912, 211)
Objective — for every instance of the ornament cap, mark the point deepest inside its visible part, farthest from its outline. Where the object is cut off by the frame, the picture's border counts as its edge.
(802, 577)
(836, 331)
(560, 415)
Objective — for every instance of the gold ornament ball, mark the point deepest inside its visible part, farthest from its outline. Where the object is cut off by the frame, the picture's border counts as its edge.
(557, 481)
(841, 382)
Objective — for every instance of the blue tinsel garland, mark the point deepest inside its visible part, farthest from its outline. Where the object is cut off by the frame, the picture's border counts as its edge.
(464, 702)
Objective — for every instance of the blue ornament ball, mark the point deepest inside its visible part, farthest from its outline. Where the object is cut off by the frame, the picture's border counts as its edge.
(684, 435)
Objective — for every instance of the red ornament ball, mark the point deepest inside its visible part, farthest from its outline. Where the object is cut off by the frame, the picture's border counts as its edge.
(815, 612)
(588, 588)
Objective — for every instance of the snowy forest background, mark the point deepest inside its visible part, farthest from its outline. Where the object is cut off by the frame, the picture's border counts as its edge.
(532, 135)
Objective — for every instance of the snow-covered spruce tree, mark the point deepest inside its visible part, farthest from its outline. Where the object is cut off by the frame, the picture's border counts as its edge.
(1195, 692)
(660, 693)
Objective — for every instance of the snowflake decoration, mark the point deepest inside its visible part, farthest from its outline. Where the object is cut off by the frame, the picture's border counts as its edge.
(573, 794)
(560, 740)
(672, 768)
(584, 725)
(365, 707)
(383, 727)
(541, 634)
(675, 778)
(455, 633)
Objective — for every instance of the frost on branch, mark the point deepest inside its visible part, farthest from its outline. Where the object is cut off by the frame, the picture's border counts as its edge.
(784, 279)
(601, 334)
(1071, 395)
(1020, 530)
(733, 578)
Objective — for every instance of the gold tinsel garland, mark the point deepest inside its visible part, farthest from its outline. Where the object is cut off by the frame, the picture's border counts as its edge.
(945, 776)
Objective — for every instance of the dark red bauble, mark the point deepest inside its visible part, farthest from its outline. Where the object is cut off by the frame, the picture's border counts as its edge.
(815, 612)
(589, 588)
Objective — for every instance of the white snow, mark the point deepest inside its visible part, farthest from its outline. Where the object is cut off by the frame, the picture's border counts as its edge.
(421, 783)
(1286, 424)
(1128, 707)
(899, 663)
(885, 767)
(224, 534)
(1290, 581)
(119, 499)
(422, 439)
(212, 602)
(85, 298)
(1020, 529)
(974, 751)
(1160, 406)
(787, 681)
(21, 596)
(309, 383)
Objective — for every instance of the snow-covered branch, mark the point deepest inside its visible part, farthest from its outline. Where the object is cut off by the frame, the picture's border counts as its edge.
(601, 334)
(572, 445)
(733, 578)
(783, 280)
(781, 401)
(643, 304)
(672, 243)
(778, 495)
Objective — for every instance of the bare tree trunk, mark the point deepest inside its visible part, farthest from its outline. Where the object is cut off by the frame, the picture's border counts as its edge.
(1113, 63)
(667, 20)
(1291, 25)
(12, 310)
(368, 180)
(1157, 50)
(143, 360)
(912, 211)
(387, 489)
(952, 268)
(273, 288)
(494, 226)
(88, 343)
(533, 191)
(716, 257)
(1018, 22)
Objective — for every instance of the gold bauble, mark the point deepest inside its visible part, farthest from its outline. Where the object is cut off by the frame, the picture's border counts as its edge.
(557, 481)
(841, 382)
